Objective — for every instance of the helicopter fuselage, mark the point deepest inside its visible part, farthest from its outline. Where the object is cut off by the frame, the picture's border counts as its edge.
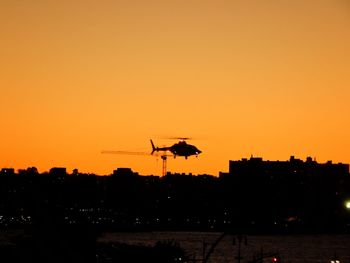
(181, 148)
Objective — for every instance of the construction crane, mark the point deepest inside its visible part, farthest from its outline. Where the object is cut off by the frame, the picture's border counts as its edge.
(164, 162)
(163, 156)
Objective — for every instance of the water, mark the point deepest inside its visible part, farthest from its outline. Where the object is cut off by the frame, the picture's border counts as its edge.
(293, 249)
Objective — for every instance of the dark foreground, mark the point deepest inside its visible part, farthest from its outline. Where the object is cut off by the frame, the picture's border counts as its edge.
(60, 217)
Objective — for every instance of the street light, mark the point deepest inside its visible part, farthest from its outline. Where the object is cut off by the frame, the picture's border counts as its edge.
(347, 204)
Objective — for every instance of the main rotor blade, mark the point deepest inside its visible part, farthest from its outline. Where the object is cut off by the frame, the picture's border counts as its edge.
(157, 154)
(126, 152)
(179, 138)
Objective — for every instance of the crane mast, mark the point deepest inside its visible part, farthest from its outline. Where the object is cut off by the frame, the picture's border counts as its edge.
(164, 159)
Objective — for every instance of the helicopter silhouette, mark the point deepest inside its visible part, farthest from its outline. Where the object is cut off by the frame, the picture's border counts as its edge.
(182, 148)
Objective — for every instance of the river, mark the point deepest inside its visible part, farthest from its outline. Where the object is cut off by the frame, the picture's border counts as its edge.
(291, 248)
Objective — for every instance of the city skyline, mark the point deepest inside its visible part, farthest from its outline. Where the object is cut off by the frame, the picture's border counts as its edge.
(241, 78)
(295, 196)
(257, 166)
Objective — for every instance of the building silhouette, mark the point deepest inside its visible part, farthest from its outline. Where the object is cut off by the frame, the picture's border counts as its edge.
(257, 166)
(255, 196)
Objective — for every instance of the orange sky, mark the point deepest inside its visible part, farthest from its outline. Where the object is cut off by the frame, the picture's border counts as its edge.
(268, 78)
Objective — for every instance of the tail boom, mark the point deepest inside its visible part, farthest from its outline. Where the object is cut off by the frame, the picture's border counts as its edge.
(157, 149)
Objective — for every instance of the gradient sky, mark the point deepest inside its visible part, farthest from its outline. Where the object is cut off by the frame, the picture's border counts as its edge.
(242, 77)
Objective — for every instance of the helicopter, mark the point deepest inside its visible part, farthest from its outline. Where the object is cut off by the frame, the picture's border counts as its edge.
(182, 148)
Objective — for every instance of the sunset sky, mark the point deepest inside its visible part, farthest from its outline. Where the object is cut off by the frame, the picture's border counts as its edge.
(241, 77)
